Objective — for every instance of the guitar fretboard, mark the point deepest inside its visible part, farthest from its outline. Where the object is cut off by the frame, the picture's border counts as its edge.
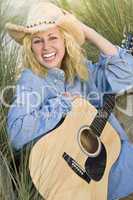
(103, 114)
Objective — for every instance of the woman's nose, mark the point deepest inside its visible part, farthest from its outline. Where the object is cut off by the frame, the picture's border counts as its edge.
(45, 44)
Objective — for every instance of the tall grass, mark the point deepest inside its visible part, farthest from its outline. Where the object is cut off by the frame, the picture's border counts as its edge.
(109, 18)
(14, 180)
(7, 69)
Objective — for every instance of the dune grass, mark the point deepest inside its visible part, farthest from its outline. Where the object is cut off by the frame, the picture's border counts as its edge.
(109, 18)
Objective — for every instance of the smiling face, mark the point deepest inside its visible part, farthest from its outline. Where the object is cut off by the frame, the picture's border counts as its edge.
(49, 48)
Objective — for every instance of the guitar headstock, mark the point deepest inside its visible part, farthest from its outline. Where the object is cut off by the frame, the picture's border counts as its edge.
(127, 42)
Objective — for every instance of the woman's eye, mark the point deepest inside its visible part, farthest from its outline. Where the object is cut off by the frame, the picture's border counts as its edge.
(37, 41)
(53, 38)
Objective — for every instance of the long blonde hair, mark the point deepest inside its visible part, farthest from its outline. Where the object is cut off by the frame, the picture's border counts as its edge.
(73, 62)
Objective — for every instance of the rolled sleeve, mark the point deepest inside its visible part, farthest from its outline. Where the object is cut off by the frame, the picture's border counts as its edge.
(116, 71)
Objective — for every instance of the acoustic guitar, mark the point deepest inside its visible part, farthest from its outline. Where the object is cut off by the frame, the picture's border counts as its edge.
(73, 161)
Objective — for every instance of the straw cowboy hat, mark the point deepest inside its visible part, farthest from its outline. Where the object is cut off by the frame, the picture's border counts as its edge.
(41, 17)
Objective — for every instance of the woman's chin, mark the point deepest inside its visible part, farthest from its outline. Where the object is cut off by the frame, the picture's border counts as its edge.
(51, 64)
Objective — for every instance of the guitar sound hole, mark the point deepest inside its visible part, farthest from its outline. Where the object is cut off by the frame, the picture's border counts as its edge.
(90, 143)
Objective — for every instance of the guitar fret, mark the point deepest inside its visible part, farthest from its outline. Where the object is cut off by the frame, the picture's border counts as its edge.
(103, 114)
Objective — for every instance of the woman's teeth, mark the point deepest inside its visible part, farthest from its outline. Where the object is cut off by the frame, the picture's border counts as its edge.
(49, 56)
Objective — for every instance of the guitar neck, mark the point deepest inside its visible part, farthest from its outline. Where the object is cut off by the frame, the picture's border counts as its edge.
(103, 114)
(127, 42)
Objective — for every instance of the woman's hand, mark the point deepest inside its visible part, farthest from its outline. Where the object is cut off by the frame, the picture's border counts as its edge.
(86, 30)
(95, 38)
(81, 24)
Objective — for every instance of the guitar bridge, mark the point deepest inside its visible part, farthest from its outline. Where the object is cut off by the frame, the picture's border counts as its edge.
(76, 167)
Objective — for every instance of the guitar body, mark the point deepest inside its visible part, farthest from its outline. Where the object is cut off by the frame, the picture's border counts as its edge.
(50, 173)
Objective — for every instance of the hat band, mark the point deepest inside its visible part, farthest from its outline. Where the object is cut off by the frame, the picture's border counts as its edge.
(41, 22)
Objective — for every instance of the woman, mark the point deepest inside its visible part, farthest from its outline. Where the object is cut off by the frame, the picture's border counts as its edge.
(56, 72)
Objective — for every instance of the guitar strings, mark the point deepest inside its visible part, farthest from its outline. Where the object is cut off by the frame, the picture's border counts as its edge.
(98, 123)
(108, 108)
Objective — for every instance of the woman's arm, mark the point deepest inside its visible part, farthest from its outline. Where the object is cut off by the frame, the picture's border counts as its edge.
(35, 110)
(99, 41)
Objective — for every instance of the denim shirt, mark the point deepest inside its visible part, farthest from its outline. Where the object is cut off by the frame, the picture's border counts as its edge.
(39, 104)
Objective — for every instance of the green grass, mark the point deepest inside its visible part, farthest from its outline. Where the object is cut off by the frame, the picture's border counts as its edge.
(109, 18)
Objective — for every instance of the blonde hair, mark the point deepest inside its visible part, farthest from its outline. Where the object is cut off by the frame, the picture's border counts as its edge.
(73, 62)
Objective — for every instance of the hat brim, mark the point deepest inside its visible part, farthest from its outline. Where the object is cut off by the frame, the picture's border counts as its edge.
(68, 23)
